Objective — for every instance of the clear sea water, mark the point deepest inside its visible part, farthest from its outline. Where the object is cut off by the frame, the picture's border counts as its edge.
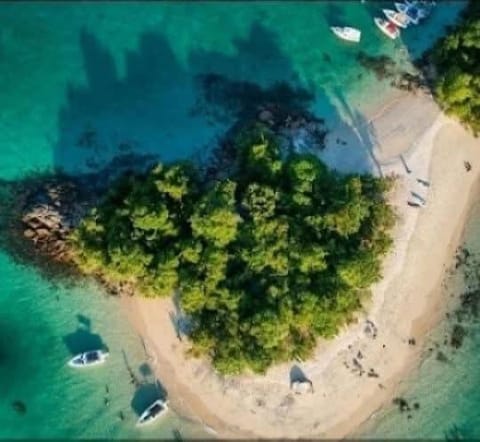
(84, 83)
(448, 391)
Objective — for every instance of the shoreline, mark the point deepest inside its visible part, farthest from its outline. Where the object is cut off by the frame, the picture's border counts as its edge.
(441, 305)
(267, 403)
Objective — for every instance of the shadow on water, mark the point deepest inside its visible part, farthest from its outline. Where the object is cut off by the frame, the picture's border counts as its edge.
(147, 388)
(361, 128)
(170, 109)
(160, 107)
(165, 109)
(335, 15)
(83, 339)
(145, 395)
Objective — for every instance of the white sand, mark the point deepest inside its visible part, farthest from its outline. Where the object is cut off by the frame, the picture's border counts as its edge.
(405, 304)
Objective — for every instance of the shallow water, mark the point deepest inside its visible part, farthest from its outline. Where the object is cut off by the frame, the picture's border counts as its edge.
(448, 391)
(84, 83)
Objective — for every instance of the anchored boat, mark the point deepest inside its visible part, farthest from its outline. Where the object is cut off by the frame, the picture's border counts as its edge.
(426, 5)
(153, 412)
(398, 18)
(414, 13)
(88, 359)
(347, 33)
(387, 27)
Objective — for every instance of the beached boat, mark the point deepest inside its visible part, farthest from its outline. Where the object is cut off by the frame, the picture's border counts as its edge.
(397, 18)
(413, 12)
(153, 412)
(347, 33)
(88, 359)
(387, 27)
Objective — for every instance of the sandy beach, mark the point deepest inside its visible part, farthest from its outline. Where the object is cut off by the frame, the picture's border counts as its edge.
(365, 366)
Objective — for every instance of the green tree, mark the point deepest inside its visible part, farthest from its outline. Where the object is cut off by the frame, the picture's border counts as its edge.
(264, 262)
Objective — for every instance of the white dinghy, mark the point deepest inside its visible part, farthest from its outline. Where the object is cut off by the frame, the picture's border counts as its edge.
(153, 412)
(347, 33)
(88, 359)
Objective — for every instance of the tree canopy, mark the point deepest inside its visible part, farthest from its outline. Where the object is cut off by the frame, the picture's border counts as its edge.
(264, 262)
(457, 59)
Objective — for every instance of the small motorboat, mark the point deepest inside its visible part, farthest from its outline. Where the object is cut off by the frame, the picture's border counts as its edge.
(153, 412)
(413, 12)
(347, 33)
(387, 27)
(428, 4)
(88, 359)
(398, 18)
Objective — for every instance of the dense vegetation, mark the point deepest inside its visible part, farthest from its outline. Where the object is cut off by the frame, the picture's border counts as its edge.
(457, 58)
(264, 261)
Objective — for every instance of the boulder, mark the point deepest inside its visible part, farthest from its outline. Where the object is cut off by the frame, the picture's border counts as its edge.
(42, 233)
(29, 233)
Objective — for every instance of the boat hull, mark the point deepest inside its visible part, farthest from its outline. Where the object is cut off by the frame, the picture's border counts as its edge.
(144, 419)
(348, 34)
(393, 17)
(384, 26)
(81, 360)
(408, 10)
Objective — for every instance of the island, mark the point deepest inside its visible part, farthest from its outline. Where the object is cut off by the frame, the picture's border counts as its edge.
(278, 267)
(265, 259)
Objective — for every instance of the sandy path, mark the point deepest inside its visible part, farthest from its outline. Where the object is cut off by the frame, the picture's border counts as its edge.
(433, 148)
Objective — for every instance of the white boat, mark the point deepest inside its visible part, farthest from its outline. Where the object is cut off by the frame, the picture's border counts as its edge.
(153, 412)
(427, 4)
(387, 27)
(88, 359)
(398, 18)
(347, 33)
(413, 12)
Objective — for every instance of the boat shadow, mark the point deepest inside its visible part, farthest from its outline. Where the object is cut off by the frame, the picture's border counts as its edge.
(147, 388)
(83, 339)
(297, 375)
(146, 394)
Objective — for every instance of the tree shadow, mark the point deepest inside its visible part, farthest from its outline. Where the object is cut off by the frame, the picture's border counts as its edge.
(335, 15)
(145, 395)
(179, 320)
(418, 39)
(164, 109)
(147, 388)
(83, 339)
(361, 135)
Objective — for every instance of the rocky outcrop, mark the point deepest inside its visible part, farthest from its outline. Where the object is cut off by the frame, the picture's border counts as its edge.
(51, 211)
(385, 68)
(406, 81)
(43, 210)
(298, 131)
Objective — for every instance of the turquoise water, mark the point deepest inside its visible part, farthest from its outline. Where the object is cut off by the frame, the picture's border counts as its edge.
(41, 326)
(84, 83)
(448, 392)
